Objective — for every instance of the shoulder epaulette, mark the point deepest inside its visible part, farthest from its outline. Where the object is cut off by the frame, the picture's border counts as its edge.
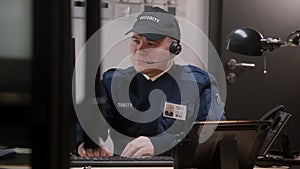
(118, 72)
(199, 75)
(109, 73)
(194, 69)
(127, 70)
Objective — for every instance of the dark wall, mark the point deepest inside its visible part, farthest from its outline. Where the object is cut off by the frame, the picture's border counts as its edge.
(254, 92)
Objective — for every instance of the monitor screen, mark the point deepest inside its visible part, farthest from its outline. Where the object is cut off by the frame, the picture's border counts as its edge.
(234, 144)
(278, 118)
(15, 51)
(15, 71)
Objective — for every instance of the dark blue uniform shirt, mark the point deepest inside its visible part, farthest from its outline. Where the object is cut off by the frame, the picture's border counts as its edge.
(134, 106)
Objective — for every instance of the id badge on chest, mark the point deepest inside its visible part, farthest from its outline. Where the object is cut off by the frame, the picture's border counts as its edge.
(175, 111)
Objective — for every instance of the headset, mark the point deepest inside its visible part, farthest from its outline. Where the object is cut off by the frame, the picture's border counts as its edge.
(175, 47)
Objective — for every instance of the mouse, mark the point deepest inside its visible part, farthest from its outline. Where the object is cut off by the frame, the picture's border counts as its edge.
(6, 153)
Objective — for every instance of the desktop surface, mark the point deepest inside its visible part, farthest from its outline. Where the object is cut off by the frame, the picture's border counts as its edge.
(282, 167)
(163, 162)
(23, 162)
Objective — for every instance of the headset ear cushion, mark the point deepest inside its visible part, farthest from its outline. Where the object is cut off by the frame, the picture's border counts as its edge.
(175, 48)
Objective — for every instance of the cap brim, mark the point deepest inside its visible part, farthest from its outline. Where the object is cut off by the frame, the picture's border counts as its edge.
(128, 31)
(152, 36)
(148, 33)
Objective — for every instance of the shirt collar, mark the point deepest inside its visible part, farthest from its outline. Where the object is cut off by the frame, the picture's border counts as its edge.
(157, 76)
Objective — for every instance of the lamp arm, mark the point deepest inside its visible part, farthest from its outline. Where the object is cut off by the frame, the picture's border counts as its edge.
(271, 43)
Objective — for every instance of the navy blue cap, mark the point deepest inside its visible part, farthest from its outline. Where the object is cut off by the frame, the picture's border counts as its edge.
(155, 23)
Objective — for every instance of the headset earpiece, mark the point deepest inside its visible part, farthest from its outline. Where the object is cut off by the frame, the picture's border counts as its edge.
(175, 48)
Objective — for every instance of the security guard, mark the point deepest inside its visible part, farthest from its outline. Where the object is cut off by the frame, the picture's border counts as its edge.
(136, 98)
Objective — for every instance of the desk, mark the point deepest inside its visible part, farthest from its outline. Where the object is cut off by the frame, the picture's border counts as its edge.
(28, 167)
(160, 168)
(22, 162)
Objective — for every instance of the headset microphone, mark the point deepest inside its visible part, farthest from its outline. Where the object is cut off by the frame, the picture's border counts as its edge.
(150, 62)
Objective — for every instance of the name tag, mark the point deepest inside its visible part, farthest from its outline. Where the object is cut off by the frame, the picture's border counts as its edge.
(175, 111)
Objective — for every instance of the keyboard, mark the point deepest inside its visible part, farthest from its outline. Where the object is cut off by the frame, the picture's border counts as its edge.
(276, 161)
(117, 161)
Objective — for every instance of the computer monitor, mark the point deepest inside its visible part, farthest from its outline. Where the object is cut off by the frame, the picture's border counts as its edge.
(221, 144)
(278, 118)
(36, 67)
(16, 52)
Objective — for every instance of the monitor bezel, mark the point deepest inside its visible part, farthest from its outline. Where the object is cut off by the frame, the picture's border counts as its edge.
(237, 141)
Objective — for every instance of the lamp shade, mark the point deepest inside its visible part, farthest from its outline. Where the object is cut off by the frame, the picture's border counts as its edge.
(245, 41)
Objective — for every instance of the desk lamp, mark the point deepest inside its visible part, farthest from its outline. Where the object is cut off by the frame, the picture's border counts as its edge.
(248, 41)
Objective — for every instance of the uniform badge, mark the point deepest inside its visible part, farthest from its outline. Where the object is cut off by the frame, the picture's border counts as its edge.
(175, 111)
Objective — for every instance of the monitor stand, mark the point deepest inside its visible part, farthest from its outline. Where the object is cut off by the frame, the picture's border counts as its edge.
(228, 154)
(226, 158)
